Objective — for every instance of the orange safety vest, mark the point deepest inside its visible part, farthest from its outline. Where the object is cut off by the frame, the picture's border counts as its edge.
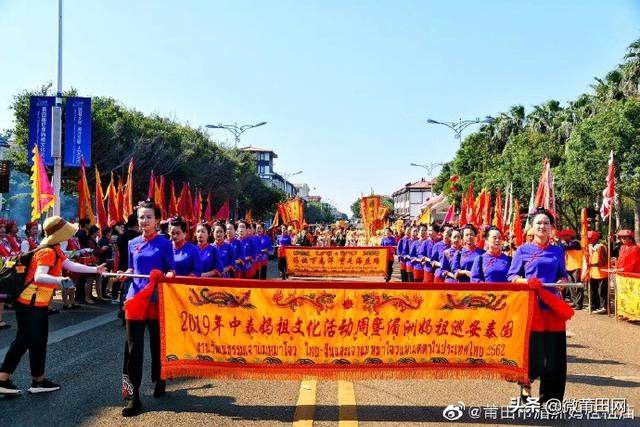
(597, 261)
(574, 259)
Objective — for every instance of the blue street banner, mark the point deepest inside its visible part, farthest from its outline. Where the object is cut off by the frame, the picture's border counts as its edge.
(77, 139)
(40, 127)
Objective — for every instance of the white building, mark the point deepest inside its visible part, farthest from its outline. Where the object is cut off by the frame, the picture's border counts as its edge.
(264, 166)
(407, 201)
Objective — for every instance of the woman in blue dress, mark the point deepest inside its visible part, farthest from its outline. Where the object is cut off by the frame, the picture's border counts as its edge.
(266, 250)
(185, 253)
(238, 250)
(444, 272)
(464, 258)
(225, 250)
(493, 265)
(209, 254)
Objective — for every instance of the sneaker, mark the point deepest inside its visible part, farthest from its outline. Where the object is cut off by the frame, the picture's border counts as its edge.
(43, 386)
(132, 408)
(600, 311)
(160, 388)
(7, 387)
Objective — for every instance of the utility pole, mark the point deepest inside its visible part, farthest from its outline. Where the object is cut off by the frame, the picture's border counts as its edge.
(56, 123)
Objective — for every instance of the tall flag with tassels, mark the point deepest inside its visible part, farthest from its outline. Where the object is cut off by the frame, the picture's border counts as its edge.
(151, 192)
(486, 211)
(101, 213)
(584, 242)
(545, 195)
(185, 202)
(248, 216)
(208, 212)
(112, 203)
(127, 206)
(197, 207)
(516, 227)
(471, 203)
(42, 190)
(120, 200)
(507, 214)
(451, 214)
(173, 203)
(84, 195)
(498, 221)
(532, 206)
(223, 212)
(609, 193)
(158, 196)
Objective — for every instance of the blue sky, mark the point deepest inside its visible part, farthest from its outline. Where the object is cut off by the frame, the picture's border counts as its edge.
(345, 86)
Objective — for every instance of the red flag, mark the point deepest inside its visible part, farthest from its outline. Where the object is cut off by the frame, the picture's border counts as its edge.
(248, 216)
(152, 186)
(209, 211)
(112, 201)
(471, 203)
(497, 215)
(101, 213)
(223, 212)
(158, 196)
(84, 196)
(127, 208)
(185, 202)
(197, 207)
(609, 193)
(479, 208)
(545, 195)
(120, 200)
(517, 224)
(173, 204)
(486, 211)
(42, 190)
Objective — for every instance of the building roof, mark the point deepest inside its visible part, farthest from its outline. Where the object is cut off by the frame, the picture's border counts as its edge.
(423, 184)
(259, 150)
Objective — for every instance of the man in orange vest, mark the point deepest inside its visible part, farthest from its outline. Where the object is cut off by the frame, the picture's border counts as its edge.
(598, 278)
(573, 261)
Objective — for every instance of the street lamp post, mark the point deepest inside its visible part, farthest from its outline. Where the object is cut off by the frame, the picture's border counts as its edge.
(429, 167)
(461, 125)
(235, 129)
(56, 124)
(286, 177)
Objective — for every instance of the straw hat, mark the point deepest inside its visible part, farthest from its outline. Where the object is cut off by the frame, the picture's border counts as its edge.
(57, 230)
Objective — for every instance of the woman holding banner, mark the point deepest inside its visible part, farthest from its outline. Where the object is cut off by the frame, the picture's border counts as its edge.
(284, 240)
(147, 252)
(225, 251)
(209, 254)
(248, 248)
(238, 250)
(266, 249)
(463, 261)
(493, 265)
(544, 262)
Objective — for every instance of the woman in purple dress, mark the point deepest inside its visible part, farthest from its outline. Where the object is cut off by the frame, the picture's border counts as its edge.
(463, 261)
(493, 265)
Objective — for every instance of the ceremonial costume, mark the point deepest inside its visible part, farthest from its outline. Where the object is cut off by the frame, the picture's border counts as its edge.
(250, 252)
(427, 252)
(446, 260)
(265, 246)
(403, 252)
(238, 256)
(574, 258)
(490, 268)
(463, 260)
(415, 257)
(389, 242)
(141, 310)
(227, 257)
(548, 341)
(282, 241)
(598, 279)
(436, 253)
(629, 259)
(210, 259)
(187, 260)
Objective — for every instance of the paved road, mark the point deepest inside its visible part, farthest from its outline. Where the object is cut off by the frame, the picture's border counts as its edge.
(87, 359)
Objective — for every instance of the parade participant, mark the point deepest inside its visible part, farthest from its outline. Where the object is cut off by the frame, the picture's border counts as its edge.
(93, 251)
(120, 288)
(415, 254)
(413, 237)
(598, 279)
(164, 229)
(225, 250)
(238, 250)
(284, 240)
(5, 247)
(447, 257)
(31, 240)
(548, 342)
(574, 258)
(266, 250)
(463, 261)
(210, 259)
(438, 248)
(146, 253)
(341, 238)
(249, 250)
(186, 255)
(43, 275)
(12, 236)
(629, 256)
(389, 241)
(402, 251)
(434, 236)
(493, 265)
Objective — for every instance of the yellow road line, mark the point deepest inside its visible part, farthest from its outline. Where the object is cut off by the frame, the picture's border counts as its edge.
(347, 413)
(306, 406)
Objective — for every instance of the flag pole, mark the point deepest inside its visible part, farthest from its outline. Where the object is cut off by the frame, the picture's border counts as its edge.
(609, 281)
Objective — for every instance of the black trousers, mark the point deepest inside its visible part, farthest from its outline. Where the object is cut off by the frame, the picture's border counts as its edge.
(403, 275)
(134, 355)
(577, 294)
(389, 269)
(599, 293)
(32, 334)
(409, 276)
(262, 274)
(282, 266)
(548, 361)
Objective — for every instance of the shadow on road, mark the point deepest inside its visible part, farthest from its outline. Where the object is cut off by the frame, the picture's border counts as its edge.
(601, 381)
(573, 359)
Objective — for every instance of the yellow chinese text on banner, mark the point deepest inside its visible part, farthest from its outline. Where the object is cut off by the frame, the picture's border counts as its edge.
(337, 261)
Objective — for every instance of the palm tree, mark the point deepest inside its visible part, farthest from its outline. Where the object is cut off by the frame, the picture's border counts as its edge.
(631, 70)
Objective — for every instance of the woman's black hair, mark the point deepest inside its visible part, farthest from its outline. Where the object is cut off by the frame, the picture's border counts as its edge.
(435, 227)
(489, 230)
(149, 204)
(469, 227)
(219, 224)
(542, 211)
(388, 229)
(178, 222)
(205, 225)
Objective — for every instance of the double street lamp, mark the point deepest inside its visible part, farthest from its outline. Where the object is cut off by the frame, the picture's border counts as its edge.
(235, 129)
(429, 167)
(461, 125)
